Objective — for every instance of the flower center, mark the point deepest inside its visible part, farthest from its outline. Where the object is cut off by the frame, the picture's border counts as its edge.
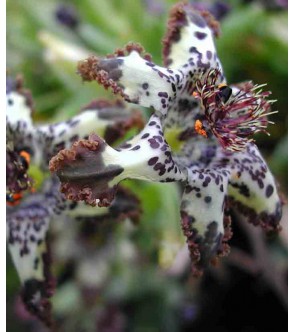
(172, 137)
(232, 115)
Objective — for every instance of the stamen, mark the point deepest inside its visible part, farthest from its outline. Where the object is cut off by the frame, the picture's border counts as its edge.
(26, 156)
(199, 128)
(14, 199)
(232, 118)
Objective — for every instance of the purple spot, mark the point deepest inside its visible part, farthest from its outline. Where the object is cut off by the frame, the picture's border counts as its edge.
(207, 199)
(145, 135)
(145, 86)
(200, 35)
(152, 161)
(269, 190)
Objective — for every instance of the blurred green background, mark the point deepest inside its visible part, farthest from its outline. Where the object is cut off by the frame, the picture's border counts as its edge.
(141, 294)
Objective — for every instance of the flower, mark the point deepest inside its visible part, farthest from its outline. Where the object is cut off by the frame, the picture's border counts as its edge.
(221, 170)
(31, 207)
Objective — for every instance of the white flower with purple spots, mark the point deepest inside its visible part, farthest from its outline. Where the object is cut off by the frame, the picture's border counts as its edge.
(209, 122)
(30, 212)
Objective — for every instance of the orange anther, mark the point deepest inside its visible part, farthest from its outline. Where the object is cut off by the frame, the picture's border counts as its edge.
(26, 156)
(222, 85)
(15, 199)
(237, 175)
(196, 94)
(199, 128)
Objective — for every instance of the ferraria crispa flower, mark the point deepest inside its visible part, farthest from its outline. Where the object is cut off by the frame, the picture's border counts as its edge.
(31, 208)
(195, 110)
(233, 114)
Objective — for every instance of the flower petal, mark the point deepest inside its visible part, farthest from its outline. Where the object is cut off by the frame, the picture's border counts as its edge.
(19, 108)
(125, 205)
(181, 118)
(190, 37)
(110, 120)
(19, 104)
(27, 227)
(252, 188)
(202, 213)
(91, 169)
(134, 77)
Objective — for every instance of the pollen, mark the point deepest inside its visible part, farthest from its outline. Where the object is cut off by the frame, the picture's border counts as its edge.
(222, 85)
(14, 199)
(196, 94)
(199, 128)
(26, 156)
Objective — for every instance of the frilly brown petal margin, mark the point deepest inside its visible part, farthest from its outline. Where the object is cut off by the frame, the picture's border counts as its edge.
(82, 172)
(126, 205)
(35, 294)
(200, 250)
(178, 19)
(268, 222)
(105, 72)
(128, 48)
(17, 85)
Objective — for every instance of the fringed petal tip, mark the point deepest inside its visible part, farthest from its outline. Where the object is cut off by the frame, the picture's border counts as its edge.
(101, 70)
(27, 226)
(205, 218)
(107, 72)
(134, 77)
(35, 295)
(189, 33)
(31, 256)
(202, 253)
(91, 169)
(83, 174)
(126, 205)
(128, 48)
(252, 188)
(17, 86)
(269, 222)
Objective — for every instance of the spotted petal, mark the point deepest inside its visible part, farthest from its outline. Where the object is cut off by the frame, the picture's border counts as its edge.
(202, 213)
(252, 188)
(110, 120)
(135, 78)
(126, 205)
(19, 108)
(91, 169)
(27, 228)
(190, 37)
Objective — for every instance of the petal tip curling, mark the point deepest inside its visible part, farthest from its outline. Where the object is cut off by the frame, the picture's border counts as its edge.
(83, 174)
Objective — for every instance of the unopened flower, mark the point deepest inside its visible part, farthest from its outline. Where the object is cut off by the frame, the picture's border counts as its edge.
(216, 180)
(57, 50)
(30, 209)
(67, 15)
